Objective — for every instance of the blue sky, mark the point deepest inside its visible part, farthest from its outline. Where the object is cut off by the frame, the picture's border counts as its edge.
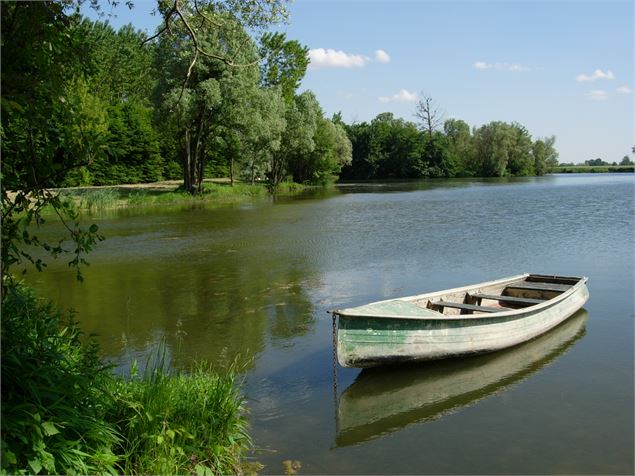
(563, 68)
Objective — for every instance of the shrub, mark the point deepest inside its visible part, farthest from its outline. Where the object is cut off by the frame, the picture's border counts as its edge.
(63, 412)
(54, 393)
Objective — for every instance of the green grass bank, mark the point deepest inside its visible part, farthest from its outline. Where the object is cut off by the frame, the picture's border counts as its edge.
(592, 169)
(170, 193)
(65, 412)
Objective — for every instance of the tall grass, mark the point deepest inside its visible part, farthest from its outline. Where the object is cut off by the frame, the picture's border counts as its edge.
(182, 424)
(99, 199)
(63, 412)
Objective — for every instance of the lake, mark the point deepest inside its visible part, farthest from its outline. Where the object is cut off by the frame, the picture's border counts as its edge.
(252, 283)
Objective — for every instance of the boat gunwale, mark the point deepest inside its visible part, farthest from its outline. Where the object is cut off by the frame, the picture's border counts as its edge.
(442, 317)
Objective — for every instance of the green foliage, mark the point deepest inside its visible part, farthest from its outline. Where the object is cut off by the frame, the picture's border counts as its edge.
(55, 393)
(181, 423)
(595, 162)
(284, 65)
(63, 412)
(393, 148)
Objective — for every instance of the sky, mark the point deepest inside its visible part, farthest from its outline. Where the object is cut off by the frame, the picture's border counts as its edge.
(562, 68)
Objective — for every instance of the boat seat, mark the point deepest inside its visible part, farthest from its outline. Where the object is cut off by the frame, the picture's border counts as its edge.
(439, 305)
(508, 299)
(535, 286)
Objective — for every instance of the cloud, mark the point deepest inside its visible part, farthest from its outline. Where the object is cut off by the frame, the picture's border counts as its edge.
(402, 96)
(624, 90)
(598, 94)
(512, 67)
(597, 74)
(329, 58)
(382, 57)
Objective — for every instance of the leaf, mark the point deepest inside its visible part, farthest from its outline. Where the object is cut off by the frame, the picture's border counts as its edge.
(160, 440)
(93, 228)
(170, 434)
(49, 428)
(35, 465)
(9, 457)
(202, 470)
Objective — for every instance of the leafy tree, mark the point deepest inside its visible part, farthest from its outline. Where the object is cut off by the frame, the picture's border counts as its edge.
(544, 154)
(51, 124)
(491, 149)
(298, 142)
(460, 147)
(626, 161)
(284, 63)
(194, 104)
(520, 160)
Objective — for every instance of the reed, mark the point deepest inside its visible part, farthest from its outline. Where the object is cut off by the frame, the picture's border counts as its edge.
(182, 423)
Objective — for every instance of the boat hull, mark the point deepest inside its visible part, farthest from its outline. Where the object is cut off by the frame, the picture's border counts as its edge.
(368, 341)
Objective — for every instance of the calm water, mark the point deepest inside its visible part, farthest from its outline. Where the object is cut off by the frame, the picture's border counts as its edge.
(253, 282)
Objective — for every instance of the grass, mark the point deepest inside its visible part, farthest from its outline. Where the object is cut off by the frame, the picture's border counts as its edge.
(586, 169)
(103, 198)
(182, 424)
(64, 412)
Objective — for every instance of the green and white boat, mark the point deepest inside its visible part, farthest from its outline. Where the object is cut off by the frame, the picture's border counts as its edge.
(472, 319)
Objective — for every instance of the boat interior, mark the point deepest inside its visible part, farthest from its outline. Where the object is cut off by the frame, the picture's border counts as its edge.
(529, 291)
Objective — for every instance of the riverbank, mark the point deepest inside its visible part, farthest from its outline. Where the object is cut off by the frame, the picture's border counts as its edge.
(170, 192)
(592, 169)
(65, 412)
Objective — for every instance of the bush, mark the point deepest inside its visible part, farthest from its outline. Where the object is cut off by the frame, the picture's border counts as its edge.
(64, 412)
(55, 393)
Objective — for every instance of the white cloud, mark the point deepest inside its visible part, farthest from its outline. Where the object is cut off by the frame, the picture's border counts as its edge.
(382, 57)
(624, 90)
(598, 94)
(512, 67)
(329, 58)
(402, 96)
(597, 74)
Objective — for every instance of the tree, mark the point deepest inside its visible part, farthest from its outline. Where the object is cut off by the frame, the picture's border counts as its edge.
(51, 124)
(460, 147)
(626, 161)
(491, 149)
(195, 106)
(520, 161)
(544, 154)
(284, 63)
(297, 140)
(429, 114)
(203, 41)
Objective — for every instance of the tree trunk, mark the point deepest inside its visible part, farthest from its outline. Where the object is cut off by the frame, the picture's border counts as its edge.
(187, 163)
(231, 171)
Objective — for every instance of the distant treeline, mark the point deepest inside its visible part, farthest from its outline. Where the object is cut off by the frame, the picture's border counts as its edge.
(390, 147)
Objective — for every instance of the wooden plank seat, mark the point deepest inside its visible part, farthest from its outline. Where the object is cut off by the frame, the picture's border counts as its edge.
(439, 305)
(508, 299)
(536, 286)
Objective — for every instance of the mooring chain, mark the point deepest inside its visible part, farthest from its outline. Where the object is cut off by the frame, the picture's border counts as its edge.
(335, 356)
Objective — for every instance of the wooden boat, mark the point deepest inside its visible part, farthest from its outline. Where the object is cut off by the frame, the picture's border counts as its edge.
(472, 319)
(384, 400)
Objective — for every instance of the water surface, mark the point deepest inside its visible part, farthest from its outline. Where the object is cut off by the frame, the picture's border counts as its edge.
(253, 282)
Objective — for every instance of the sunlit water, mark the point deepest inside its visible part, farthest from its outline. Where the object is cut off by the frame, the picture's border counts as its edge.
(253, 282)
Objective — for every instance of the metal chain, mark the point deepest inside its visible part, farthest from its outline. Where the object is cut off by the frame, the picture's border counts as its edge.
(335, 356)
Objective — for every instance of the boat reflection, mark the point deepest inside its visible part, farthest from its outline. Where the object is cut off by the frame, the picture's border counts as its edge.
(383, 400)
